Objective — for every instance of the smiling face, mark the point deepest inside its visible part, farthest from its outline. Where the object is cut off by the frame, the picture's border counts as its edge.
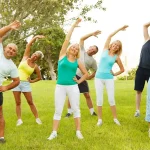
(73, 50)
(92, 50)
(116, 47)
(35, 56)
(10, 50)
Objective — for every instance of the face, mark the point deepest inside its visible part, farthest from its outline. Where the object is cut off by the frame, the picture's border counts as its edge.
(35, 56)
(115, 46)
(74, 49)
(10, 51)
(92, 50)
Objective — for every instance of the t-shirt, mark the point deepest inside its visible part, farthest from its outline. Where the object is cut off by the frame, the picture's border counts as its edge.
(145, 56)
(88, 61)
(7, 67)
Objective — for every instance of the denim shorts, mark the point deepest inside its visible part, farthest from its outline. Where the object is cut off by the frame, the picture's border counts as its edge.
(24, 86)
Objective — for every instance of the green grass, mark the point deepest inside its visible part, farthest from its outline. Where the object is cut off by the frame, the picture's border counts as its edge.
(131, 135)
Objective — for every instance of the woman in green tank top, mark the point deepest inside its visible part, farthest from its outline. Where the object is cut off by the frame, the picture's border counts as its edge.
(67, 83)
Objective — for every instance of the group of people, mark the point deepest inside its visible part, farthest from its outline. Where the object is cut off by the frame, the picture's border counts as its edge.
(75, 62)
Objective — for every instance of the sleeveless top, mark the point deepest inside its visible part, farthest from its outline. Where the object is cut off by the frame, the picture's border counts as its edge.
(105, 65)
(66, 71)
(25, 70)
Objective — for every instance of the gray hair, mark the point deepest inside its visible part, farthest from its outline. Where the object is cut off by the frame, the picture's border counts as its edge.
(16, 47)
(40, 54)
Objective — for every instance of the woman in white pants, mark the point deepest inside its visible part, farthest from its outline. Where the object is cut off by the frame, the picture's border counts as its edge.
(67, 82)
(104, 74)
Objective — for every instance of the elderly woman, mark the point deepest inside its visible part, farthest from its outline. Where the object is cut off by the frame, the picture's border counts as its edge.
(26, 67)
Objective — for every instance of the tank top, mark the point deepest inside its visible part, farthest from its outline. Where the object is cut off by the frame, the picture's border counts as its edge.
(24, 70)
(105, 65)
(66, 71)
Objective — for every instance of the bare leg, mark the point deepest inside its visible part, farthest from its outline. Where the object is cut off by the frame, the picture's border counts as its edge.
(17, 96)
(88, 100)
(138, 99)
(99, 109)
(55, 125)
(28, 96)
(77, 123)
(2, 122)
(114, 113)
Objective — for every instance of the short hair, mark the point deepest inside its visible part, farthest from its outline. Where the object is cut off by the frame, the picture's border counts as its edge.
(96, 47)
(40, 54)
(13, 45)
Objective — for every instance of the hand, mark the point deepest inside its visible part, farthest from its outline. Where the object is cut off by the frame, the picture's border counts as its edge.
(124, 27)
(77, 22)
(147, 24)
(30, 81)
(112, 72)
(39, 36)
(15, 25)
(76, 80)
(3, 88)
(96, 33)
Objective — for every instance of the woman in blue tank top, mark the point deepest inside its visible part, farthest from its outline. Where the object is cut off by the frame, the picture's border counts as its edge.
(104, 74)
(67, 83)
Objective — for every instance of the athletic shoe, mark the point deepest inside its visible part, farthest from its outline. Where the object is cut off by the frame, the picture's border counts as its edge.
(68, 115)
(38, 121)
(94, 114)
(117, 122)
(99, 123)
(52, 136)
(79, 135)
(137, 114)
(19, 122)
(2, 140)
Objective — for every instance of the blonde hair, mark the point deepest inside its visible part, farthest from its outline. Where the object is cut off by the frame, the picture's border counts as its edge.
(16, 47)
(78, 54)
(40, 54)
(118, 52)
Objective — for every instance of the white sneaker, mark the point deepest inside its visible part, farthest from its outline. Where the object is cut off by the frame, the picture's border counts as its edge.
(117, 122)
(79, 135)
(137, 113)
(19, 122)
(99, 123)
(38, 121)
(52, 136)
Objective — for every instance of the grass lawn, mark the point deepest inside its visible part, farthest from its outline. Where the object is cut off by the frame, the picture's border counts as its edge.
(131, 135)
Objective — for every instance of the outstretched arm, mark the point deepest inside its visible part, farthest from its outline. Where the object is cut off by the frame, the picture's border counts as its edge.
(145, 31)
(28, 46)
(95, 33)
(12, 26)
(106, 46)
(67, 39)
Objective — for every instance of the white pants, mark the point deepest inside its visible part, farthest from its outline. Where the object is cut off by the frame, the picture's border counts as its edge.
(99, 85)
(61, 92)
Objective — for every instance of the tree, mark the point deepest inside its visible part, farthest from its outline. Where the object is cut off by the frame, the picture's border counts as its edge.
(36, 16)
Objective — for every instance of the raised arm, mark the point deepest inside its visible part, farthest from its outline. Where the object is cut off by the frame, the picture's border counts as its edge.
(12, 26)
(28, 46)
(145, 31)
(67, 39)
(95, 33)
(106, 46)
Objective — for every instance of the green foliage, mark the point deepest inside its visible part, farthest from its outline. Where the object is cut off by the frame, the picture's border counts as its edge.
(131, 75)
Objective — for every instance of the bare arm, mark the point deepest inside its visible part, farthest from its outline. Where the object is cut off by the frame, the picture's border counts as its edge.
(106, 46)
(38, 73)
(119, 62)
(28, 46)
(13, 84)
(145, 31)
(91, 76)
(67, 39)
(84, 72)
(12, 26)
(95, 33)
